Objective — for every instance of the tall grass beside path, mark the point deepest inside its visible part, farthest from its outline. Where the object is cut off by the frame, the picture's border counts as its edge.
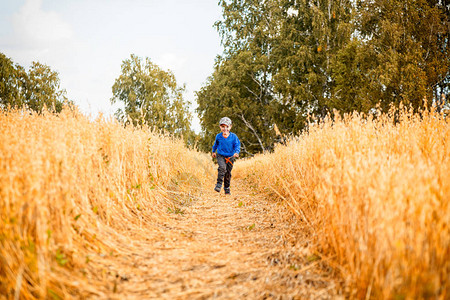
(374, 196)
(73, 191)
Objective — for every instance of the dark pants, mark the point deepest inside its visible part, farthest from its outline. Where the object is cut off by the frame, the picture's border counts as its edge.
(224, 171)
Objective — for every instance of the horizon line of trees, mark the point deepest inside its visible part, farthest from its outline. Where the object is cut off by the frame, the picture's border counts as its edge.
(150, 95)
(285, 60)
(35, 89)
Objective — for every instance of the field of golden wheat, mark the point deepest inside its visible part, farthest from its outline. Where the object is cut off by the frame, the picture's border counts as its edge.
(370, 195)
(75, 190)
(374, 194)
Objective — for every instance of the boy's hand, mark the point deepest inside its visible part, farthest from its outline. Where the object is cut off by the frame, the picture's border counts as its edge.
(214, 155)
(236, 155)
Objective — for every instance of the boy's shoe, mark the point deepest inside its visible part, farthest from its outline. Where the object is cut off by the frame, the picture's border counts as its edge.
(227, 191)
(217, 188)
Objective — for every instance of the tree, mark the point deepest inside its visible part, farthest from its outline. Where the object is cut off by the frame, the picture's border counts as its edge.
(299, 39)
(9, 82)
(351, 85)
(151, 95)
(314, 56)
(442, 87)
(238, 89)
(310, 34)
(43, 88)
(38, 88)
(403, 50)
(276, 66)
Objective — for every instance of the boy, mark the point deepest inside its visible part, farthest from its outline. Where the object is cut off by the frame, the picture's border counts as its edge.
(228, 147)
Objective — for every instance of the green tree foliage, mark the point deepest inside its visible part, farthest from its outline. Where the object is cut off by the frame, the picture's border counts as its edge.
(442, 87)
(38, 88)
(239, 89)
(351, 84)
(151, 95)
(309, 36)
(9, 82)
(284, 52)
(399, 53)
(314, 56)
(43, 88)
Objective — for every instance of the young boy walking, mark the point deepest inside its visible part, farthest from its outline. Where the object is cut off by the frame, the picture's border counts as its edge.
(228, 147)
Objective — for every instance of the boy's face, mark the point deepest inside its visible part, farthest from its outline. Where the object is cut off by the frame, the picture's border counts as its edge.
(225, 128)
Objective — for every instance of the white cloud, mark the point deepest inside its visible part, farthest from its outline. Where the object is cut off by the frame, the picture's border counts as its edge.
(37, 28)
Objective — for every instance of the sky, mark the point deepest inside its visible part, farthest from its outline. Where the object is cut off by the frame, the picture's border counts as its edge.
(85, 41)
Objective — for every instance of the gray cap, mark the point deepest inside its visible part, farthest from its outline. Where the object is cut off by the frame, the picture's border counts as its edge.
(225, 121)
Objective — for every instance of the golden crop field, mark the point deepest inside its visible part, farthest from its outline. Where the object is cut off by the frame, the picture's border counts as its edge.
(71, 187)
(84, 202)
(374, 195)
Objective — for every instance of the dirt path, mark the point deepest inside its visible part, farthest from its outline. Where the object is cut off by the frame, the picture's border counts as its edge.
(223, 247)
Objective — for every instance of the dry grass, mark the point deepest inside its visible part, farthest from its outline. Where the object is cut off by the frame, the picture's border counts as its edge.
(374, 197)
(224, 247)
(74, 191)
(90, 209)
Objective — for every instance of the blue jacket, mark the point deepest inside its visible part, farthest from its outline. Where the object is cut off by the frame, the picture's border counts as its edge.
(227, 146)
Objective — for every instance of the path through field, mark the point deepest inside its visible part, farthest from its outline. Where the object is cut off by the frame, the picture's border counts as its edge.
(221, 247)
